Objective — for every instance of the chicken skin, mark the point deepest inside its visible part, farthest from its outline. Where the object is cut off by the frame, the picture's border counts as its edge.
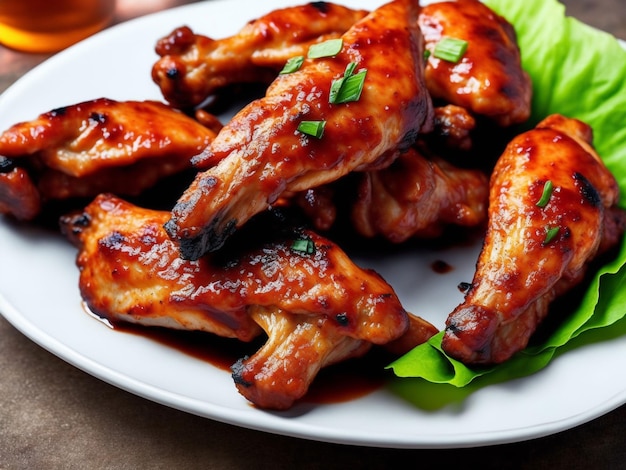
(262, 154)
(299, 287)
(101, 145)
(488, 80)
(192, 67)
(418, 196)
(552, 210)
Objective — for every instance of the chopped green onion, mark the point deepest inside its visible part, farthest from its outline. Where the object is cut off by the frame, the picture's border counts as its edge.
(303, 245)
(426, 54)
(551, 233)
(350, 89)
(334, 89)
(292, 65)
(450, 49)
(312, 128)
(547, 193)
(337, 84)
(329, 48)
(349, 69)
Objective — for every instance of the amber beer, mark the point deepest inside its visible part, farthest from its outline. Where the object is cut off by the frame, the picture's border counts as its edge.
(51, 25)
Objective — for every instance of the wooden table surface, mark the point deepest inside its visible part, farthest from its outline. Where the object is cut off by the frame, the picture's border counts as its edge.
(54, 416)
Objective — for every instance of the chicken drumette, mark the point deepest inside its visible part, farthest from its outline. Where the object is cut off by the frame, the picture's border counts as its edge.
(419, 195)
(262, 154)
(101, 145)
(552, 209)
(193, 67)
(488, 80)
(316, 306)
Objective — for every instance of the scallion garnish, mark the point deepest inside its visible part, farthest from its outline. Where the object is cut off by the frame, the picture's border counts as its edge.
(303, 245)
(349, 87)
(548, 187)
(450, 49)
(551, 233)
(292, 65)
(337, 84)
(328, 48)
(312, 128)
(349, 69)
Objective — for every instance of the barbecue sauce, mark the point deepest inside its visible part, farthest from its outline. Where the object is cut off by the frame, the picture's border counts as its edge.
(346, 381)
(441, 267)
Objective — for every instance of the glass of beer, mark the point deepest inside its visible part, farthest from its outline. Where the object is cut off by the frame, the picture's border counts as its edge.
(51, 25)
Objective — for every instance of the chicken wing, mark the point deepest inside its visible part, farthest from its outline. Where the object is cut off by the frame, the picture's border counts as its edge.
(261, 154)
(192, 67)
(488, 80)
(552, 209)
(298, 286)
(87, 148)
(418, 196)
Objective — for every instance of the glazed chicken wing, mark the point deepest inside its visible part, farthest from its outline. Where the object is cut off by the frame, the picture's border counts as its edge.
(192, 67)
(91, 147)
(274, 375)
(261, 154)
(297, 286)
(539, 241)
(488, 80)
(418, 196)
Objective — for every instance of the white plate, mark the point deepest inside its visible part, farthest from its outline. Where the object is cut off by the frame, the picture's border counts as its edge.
(39, 294)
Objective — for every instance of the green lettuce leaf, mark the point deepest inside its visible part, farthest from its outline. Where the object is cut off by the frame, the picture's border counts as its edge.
(579, 72)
